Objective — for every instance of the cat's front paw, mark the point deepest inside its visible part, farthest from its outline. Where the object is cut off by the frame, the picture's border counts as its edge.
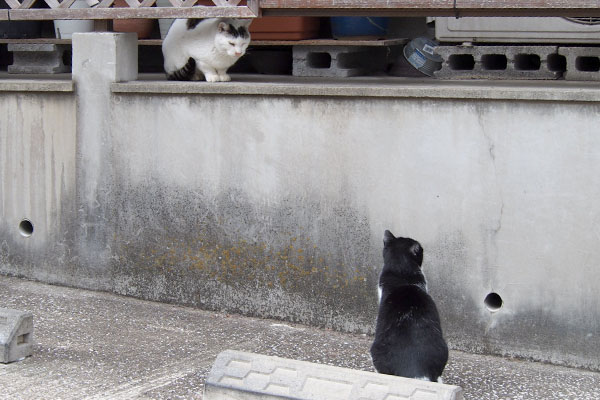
(224, 78)
(212, 78)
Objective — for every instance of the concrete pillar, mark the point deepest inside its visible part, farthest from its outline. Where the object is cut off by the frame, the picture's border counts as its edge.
(99, 59)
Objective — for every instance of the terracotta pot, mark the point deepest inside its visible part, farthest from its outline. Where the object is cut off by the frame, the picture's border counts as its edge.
(143, 27)
(285, 28)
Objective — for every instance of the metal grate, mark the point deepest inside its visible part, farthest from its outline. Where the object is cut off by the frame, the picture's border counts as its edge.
(584, 20)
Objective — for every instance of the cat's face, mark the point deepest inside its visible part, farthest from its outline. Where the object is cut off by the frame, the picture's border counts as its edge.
(233, 39)
(401, 248)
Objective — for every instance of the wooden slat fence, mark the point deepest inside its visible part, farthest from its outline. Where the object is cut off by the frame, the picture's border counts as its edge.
(135, 9)
(22, 9)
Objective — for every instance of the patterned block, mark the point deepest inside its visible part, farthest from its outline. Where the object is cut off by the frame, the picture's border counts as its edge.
(16, 331)
(583, 63)
(499, 62)
(337, 61)
(239, 375)
(42, 58)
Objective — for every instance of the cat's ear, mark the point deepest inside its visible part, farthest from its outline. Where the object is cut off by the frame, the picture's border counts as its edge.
(222, 27)
(417, 251)
(388, 237)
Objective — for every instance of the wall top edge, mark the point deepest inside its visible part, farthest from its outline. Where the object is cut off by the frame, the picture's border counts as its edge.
(374, 87)
(36, 85)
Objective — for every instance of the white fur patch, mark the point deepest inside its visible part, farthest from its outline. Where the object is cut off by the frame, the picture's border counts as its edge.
(379, 293)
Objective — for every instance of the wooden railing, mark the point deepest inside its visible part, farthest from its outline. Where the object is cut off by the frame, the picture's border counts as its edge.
(136, 9)
(432, 8)
(22, 9)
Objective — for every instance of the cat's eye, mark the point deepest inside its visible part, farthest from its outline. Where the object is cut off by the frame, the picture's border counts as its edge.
(231, 43)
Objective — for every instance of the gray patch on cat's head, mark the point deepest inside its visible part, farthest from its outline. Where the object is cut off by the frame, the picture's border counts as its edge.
(230, 29)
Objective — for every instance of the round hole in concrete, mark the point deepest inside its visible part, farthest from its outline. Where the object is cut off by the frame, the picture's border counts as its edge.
(26, 228)
(493, 302)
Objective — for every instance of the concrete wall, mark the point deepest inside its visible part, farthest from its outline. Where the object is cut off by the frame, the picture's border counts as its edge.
(272, 202)
(37, 182)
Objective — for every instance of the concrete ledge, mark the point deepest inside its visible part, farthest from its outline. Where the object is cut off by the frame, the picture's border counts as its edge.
(35, 85)
(16, 334)
(239, 375)
(373, 87)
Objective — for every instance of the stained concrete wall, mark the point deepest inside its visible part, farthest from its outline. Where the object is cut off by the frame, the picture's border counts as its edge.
(273, 201)
(37, 179)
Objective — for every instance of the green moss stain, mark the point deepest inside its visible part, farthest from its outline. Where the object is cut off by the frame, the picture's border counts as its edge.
(296, 266)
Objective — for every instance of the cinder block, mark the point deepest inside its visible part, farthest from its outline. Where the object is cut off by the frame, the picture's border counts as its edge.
(337, 61)
(238, 375)
(583, 63)
(500, 62)
(16, 334)
(40, 58)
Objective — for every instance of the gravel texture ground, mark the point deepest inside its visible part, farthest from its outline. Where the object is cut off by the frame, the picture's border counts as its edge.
(91, 345)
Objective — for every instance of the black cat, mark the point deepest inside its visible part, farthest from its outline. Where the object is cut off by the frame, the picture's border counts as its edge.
(408, 335)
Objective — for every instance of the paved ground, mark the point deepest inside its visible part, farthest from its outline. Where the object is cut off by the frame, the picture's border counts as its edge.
(93, 345)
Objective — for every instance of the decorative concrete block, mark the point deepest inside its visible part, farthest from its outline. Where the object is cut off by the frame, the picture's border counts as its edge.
(337, 61)
(237, 375)
(37, 58)
(16, 334)
(499, 62)
(583, 63)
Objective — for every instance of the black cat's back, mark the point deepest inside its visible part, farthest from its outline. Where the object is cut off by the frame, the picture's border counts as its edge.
(408, 336)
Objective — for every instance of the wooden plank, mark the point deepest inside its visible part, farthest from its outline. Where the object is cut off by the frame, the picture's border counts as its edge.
(330, 42)
(3, 15)
(590, 8)
(124, 13)
(254, 6)
(37, 41)
(310, 42)
(103, 25)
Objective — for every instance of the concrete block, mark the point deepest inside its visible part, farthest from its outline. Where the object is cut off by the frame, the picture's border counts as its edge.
(238, 375)
(16, 334)
(499, 62)
(37, 58)
(583, 63)
(337, 61)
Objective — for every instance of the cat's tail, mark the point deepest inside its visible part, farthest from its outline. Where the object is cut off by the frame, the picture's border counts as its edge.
(185, 73)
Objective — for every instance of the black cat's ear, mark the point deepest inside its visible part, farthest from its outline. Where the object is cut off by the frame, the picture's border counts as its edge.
(417, 251)
(388, 237)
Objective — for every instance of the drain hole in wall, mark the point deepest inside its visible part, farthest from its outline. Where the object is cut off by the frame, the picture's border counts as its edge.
(26, 228)
(493, 302)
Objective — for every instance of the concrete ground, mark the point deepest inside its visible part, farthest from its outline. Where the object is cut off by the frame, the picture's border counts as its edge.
(93, 345)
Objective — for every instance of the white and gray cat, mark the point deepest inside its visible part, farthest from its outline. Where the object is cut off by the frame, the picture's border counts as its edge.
(196, 49)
